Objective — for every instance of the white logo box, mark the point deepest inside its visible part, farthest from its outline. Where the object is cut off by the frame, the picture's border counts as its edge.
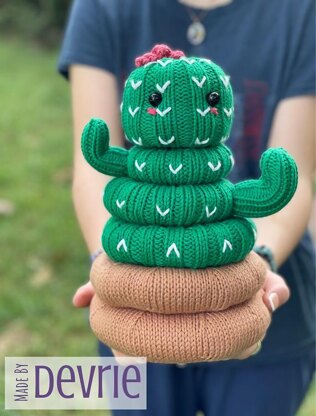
(75, 383)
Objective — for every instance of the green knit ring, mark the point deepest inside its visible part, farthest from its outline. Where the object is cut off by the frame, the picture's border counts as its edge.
(172, 205)
(199, 246)
(153, 204)
(181, 166)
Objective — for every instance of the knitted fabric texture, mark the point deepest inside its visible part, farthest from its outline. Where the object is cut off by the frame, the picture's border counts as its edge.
(179, 166)
(181, 338)
(171, 203)
(180, 283)
(165, 290)
(195, 247)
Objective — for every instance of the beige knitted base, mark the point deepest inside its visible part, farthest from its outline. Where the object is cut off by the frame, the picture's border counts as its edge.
(170, 290)
(181, 338)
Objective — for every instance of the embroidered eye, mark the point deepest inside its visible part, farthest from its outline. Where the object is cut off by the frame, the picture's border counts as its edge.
(213, 98)
(155, 99)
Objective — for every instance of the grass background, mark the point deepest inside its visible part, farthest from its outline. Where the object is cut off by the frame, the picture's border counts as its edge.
(43, 258)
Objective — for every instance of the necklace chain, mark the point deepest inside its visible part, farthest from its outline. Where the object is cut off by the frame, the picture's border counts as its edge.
(196, 31)
(197, 17)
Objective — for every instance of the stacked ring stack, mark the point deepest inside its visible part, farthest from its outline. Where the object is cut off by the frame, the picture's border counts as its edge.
(179, 281)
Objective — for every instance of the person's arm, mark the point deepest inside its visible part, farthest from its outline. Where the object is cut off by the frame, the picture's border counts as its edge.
(94, 94)
(293, 129)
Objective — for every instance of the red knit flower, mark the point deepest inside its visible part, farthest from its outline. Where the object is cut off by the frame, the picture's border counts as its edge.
(158, 52)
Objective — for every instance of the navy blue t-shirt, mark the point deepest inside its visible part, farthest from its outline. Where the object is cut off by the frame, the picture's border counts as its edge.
(268, 49)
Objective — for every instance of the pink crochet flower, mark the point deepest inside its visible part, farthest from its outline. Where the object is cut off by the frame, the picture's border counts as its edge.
(158, 52)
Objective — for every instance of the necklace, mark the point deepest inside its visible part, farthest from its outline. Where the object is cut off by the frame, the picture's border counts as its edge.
(196, 31)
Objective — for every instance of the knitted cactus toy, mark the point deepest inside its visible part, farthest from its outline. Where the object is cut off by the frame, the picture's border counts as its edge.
(173, 209)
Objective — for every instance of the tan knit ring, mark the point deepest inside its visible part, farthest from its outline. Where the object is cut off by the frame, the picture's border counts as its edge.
(181, 338)
(169, 290)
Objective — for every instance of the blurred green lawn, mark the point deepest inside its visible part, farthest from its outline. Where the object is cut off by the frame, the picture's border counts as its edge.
(43, 258)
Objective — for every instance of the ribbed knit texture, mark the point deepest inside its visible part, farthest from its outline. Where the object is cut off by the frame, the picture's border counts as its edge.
(182, 97)
(172, 181)
(273, 190)
(95, 148)
(170, 290)
(199, 246)
(190, 166)
(153, 204)
(181, 338)
(180, 284)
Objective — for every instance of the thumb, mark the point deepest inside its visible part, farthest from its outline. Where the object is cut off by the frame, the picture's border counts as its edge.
(83, 296)
(276, 291)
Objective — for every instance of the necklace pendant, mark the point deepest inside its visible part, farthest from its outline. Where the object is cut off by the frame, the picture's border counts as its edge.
(196, 33)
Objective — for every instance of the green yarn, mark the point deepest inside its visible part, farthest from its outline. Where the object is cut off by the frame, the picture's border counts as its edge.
(185, 205)
(171, 167)
(196, 247)
(95, 148)
(274, 189)
(179, 166)
(171, 203)
(181, 100)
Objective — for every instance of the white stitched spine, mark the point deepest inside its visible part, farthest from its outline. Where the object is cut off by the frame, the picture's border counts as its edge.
(119, 204)
(215, 168)
(208, 213)
(136, 85)
(203, 113)
(227, 244)
(225, 80)
(207, 61)
(174, 248)
(140, 167)
(133, 112)
(165, 142)
(162, 213)
(138, 141)
(163, 88)
(199, 83)
(228, 112)
(122, 243)
(198, 141)
(164, 112)
(187, 60)
(176, 170)
(164, 63)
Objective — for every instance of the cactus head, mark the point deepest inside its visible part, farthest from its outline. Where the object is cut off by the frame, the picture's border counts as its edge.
(171, 101)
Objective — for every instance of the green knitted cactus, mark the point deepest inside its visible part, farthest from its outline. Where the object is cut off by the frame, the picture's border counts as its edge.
(170, 201)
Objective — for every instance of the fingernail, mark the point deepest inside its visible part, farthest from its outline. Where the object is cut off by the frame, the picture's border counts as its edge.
(125, 361)
(258, 348)
(140, 360)
(274, 301)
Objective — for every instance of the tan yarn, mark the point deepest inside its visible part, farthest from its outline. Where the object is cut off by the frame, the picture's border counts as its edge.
(181, 338)
(170, 290)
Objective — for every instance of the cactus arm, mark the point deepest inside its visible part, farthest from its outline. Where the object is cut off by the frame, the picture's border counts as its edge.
(272, 191)
(95, 148)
